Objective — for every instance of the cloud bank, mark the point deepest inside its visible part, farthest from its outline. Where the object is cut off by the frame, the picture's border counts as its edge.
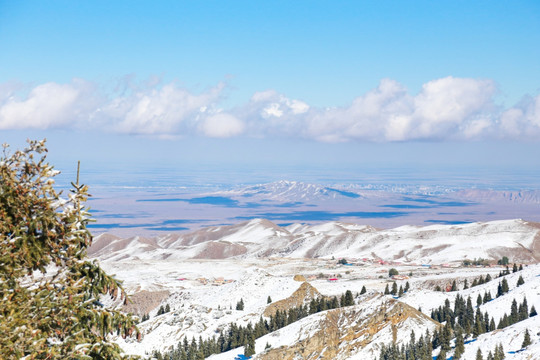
(444, 109)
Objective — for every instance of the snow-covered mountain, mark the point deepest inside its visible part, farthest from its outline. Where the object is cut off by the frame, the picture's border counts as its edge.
(202, 275)
(517, 239)
(353, 332)
(291, 191)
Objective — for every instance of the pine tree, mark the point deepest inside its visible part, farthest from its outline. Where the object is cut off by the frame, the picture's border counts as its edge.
(442, 355)
(523, 312)
(533, 311)
(167, 308)
(520, 267)
(363, 291)
(479, 355)
(349, 298)
(400, 292)
(407, 287)
(394, 289)
(454, 286)
(499, 352)
(514, 268)
(42, 232)
(269, 300)
(526, 339)
(520, 281)
(460, 346)
(240, 305)
(514, 316)
(386, 290)
(465, 285)
(249, 349)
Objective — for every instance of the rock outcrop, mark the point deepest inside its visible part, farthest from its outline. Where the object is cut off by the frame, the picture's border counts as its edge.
(353, 331)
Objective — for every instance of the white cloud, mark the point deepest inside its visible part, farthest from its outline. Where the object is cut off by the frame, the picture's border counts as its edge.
(48, 105)
(523, 120)
(166, 110)
(222, 125)
(444, 109)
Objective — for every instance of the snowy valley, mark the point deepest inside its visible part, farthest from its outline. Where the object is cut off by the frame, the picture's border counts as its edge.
(201, 277)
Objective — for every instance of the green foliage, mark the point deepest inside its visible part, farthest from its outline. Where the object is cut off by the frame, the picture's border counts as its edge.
(342, 261)
(503, 261)
(57, 316)
(392, 272)
(240, 305)
(526, 339)
(237, 335)
(394, 288)
(479, 355)
(269, 300)
(363, 291)
(475, 262)
(249, 348)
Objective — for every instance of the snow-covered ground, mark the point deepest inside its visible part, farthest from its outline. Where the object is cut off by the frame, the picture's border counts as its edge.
(203, 293)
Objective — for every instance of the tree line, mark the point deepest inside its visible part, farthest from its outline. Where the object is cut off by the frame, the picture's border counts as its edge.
(236, 336)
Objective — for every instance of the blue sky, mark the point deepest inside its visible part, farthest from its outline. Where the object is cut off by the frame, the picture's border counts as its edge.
(353, 83)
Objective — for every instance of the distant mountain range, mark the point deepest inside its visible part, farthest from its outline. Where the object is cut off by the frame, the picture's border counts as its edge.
(261, 238)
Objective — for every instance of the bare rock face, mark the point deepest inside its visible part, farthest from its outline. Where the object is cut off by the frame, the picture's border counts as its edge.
(355, 330)
(300, 278)
(144, 301)
(301, 296)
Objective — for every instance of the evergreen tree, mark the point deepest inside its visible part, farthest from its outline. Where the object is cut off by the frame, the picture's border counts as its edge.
(523, 312)
(363, 291)
(349, 298)
(407, 287)
(492, 325)
(269, 300)
(520, 281)
(526, 339)
(514, 268)
(479, 355)
(454, 286)
(479, 300)
(249, 349)
(488, 278)
(460, 346)
(394, 289)
(442, 355)
(400, 292)
(499, 352)
(41, 231)
(386, 290)
(533, 311)
(167, 308)
(465, 285)
(240, 304)
(392, 272)
(514, 316)
(520, 267)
